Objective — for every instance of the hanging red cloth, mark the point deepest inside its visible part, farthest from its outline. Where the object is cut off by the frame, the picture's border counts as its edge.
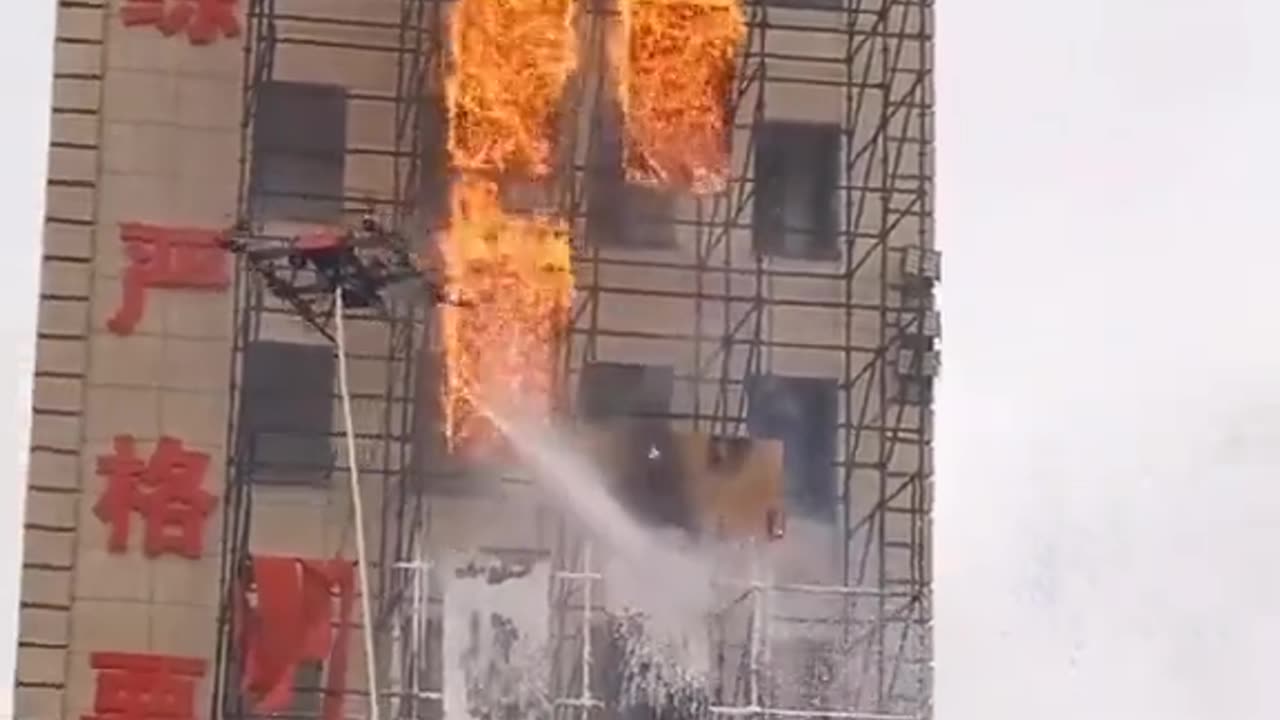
(291, 623)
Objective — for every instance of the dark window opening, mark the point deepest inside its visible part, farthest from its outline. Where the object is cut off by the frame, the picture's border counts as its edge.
(649, 476)
(610, 391)
(802, 413)
(299, 152)
(620, 213)
(286, 412)
(797, 169)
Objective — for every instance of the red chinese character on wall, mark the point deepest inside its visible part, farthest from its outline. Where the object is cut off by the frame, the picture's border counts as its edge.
(165, 490)
(166, 257)
(133, 686)
(203, 20)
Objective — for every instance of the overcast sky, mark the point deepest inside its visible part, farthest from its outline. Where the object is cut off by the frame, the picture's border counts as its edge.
(1108, 519)
(26, 48)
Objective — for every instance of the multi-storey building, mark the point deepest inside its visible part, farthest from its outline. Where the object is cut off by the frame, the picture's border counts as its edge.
(190, 451)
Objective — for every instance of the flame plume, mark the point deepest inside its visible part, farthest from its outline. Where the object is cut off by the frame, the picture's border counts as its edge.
(675, 71)
(511, 60)
(515, 275)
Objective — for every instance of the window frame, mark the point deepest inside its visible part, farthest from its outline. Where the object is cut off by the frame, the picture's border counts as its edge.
(254, 432)
(799, 492)
(776, 144)
(621, 214)
(650, 377)
(297, 161)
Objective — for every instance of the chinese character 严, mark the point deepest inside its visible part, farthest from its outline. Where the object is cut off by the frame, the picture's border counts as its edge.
(135, 686)
(165, 257)
(165, 490)
(203, 20)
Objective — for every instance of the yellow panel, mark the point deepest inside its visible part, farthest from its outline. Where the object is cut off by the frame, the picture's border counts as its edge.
(728, 487)
(736, 483)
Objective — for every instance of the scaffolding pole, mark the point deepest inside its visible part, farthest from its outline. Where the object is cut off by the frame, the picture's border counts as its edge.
(881, 78)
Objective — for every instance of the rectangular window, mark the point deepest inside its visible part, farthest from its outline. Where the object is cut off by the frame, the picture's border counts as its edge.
(623, 390)
(644, 459)
(286, 411)
(299, 152)
(797, 170)
(620, 213)
(802, 413)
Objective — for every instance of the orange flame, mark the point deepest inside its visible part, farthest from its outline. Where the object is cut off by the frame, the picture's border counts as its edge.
(511, 61)
(675, 72)
(515, 276)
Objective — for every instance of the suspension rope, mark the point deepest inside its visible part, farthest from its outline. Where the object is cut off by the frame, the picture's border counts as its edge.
(357, 507)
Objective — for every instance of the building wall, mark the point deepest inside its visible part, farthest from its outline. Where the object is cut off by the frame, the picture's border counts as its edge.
(144, 129)
(147, 128)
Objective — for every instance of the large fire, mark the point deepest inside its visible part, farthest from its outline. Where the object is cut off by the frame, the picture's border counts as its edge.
(511, 60)
(514, 275)
(674, 65)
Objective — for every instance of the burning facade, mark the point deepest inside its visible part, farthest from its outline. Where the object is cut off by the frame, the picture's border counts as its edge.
(515, 277)
(755, 380)
(510, 61)
(674, 64)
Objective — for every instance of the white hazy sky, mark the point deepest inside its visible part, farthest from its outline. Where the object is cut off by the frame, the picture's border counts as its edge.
(1108, 517)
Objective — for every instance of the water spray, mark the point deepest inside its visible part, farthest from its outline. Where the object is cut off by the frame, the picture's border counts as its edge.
(662, 587)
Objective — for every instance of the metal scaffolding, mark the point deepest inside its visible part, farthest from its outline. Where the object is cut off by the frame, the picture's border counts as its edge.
(269, 292)
(874, 612)
(886, 270)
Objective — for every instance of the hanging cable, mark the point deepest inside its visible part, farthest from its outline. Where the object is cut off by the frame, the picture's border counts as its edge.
(357, 507)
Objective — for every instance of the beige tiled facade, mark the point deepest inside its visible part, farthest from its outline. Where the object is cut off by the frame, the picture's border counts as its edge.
(147, 128)
(144, 128)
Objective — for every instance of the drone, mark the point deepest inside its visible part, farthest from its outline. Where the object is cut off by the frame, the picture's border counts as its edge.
(311, 269)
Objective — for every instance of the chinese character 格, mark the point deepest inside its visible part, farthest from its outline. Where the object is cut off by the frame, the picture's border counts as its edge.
(165, 490)
(165, 257)
(134, 686)
(203, 20)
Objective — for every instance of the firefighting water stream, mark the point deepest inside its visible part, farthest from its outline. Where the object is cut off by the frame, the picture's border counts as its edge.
(659, 585)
